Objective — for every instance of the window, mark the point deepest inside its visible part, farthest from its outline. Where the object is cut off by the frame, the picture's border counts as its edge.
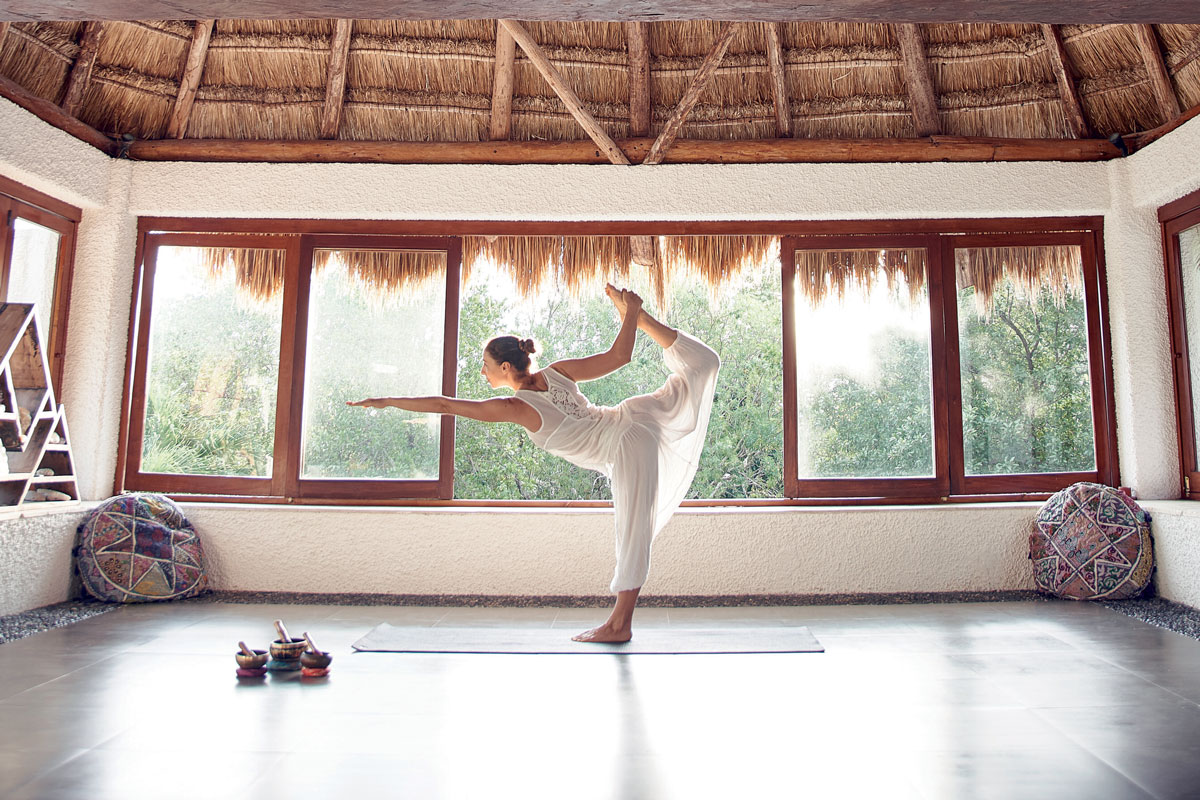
(906, 361)
(249, 346)
(1181, 239)
(37, 247)
(951, 365)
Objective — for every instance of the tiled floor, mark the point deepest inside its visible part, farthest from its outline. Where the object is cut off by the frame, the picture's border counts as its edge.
(978, 700)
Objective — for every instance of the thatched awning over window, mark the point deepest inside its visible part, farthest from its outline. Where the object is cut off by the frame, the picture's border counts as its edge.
(574, 264)
(1058, 270)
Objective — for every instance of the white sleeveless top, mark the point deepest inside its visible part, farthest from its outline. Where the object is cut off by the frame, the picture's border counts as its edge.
(572, 428)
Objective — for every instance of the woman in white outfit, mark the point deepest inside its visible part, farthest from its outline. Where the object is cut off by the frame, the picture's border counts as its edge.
(648, 445)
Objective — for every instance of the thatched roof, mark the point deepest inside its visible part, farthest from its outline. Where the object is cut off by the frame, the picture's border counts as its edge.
(434, 81)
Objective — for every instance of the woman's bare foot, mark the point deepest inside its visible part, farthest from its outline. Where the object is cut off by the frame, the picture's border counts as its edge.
(617, 297)
(606, 633)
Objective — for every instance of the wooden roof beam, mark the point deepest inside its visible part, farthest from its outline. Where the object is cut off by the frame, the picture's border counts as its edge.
(1060, 62)
(581, 151)
(917, 79)
(54, 115)
(81, 70)
(1019, 11)
(779, 90)
(1156, 69)
(691, 95)
(335, 84)
(189, 81)
(565, 93)
(502, 85)
(637, 44)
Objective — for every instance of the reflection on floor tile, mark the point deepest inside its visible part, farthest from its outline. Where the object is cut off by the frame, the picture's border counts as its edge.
(1004, 700)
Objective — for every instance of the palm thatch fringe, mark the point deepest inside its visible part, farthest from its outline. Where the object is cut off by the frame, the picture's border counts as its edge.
(257, 272)
(1056, 269)
(385, 273)
(719, 261)
(1032, 270)
(534, 263)
(820, 273)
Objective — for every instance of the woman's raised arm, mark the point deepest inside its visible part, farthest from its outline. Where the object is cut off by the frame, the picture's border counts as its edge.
(621, 353)
(496, 409)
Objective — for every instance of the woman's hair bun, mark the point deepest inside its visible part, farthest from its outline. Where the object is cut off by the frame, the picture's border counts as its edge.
(527, 346)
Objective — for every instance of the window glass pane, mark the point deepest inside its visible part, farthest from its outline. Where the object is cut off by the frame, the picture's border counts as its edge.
(213, 363)
(34, 265)
(863, 375)
(1023, 354)
(1189, 251)
(368, 337)
(741, 456)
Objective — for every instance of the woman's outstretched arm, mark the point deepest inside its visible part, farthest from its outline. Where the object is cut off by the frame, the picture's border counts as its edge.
(496, 409)
(617, 356)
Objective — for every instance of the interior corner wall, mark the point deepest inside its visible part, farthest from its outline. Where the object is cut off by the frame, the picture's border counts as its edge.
(1142, 183)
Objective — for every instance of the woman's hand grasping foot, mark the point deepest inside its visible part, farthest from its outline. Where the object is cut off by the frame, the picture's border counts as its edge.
(623, 299)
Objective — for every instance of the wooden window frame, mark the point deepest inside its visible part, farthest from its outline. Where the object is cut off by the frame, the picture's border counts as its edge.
(285, 483)
(1174, 218)
(950, 481)
(18, 200)
(935, 234)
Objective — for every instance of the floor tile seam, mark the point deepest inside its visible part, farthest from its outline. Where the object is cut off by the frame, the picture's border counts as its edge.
(1083, 746)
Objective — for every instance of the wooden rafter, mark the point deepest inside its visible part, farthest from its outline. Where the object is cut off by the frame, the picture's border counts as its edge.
(918, 79)
(189, 81)
(1189, 58)
(565, 93)
(335, 85)
(81, 70)
(54, 115)
(1028, 11)
(1060, 62)
(1156, 70)
(691, 95)
(685, 151)
(779, 90)
(637, 44)
(502, 85)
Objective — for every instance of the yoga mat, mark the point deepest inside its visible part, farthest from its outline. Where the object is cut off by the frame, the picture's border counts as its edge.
(413, 639)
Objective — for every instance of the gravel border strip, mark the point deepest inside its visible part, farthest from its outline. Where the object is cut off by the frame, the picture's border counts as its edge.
(1162, 613)
(59, 615)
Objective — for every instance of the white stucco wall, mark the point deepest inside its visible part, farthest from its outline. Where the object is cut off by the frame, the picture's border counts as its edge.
(786, 550)
(554, 552)
(35, 558)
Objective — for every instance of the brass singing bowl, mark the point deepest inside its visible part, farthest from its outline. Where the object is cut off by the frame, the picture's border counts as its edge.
(287, 650)
(256, 661)
(314, 661)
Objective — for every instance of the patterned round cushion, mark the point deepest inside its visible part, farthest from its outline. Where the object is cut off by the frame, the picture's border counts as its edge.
(1089, 541)
(139, 547)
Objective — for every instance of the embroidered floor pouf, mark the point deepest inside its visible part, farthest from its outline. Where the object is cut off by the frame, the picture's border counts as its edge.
(139, 547)
(1089, 541)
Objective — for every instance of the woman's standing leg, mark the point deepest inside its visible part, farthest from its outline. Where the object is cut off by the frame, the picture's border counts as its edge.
(635, 492)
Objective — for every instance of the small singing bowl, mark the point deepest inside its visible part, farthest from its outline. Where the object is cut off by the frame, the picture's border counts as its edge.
(315, 661)
(287, 651)
(256, 661)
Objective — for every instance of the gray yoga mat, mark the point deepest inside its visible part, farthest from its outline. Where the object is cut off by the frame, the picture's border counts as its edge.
(413, 639)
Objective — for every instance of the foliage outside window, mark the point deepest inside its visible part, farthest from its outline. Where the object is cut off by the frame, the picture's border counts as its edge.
(915, 367)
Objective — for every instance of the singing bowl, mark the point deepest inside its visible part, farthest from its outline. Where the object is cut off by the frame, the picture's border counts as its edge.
(256, 661)
(314, 661)
(287, 651)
